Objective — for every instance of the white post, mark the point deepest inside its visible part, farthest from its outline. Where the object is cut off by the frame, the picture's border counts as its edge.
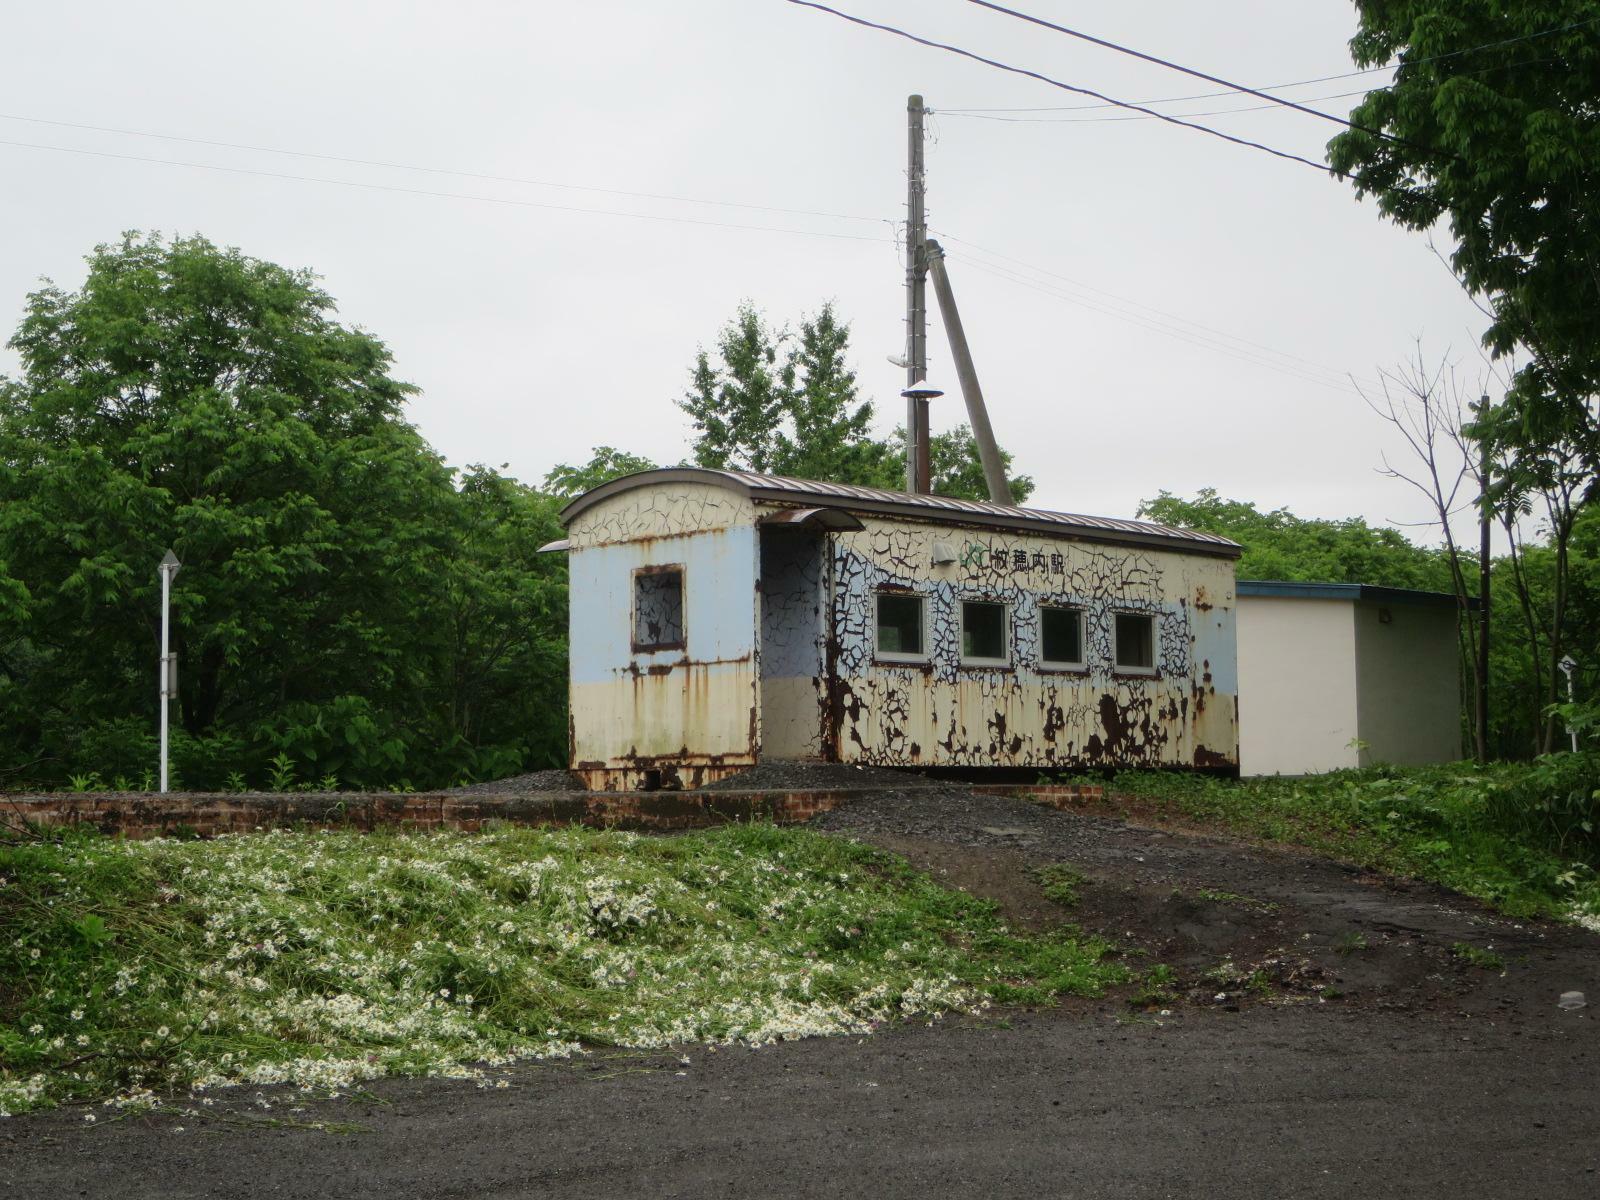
(168, 569)
(1568, 665)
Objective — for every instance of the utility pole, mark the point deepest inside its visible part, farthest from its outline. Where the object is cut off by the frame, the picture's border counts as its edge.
(918, 465)
(169, 661)
(1481, 715)
(994, 470)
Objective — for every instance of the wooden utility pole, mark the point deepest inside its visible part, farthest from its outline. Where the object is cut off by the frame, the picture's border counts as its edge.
(994, 470)
(918, 464)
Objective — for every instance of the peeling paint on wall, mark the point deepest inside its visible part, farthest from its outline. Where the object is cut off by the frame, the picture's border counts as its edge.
(941, 712)
(778, 651)
(687, 710)
(666, 512)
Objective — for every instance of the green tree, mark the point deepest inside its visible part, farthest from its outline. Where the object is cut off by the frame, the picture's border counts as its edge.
(955, 468)
(827, 430)
(789, 404)
(566, 481)
(1279, 545)
(193, 397)
(1492, 123)
(737, 406)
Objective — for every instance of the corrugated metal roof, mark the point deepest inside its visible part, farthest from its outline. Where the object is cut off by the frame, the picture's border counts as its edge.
(1298, 590)
(778, 489)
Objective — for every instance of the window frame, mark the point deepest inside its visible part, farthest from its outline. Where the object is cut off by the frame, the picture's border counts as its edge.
(1118, 667)
(961, 633)
(900, 656)
(1079, 667)
(683, 609)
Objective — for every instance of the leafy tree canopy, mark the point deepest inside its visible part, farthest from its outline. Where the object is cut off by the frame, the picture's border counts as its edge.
(340, 601)
(788, 404)
(1492, 124)
(1279, 545)
(565, 481)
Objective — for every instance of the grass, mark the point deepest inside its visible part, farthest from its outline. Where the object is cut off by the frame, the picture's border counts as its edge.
(1235, 900)
(1350, 943)
(324, 959)
(1521, 837)
(1060, 883)
(1476, 956)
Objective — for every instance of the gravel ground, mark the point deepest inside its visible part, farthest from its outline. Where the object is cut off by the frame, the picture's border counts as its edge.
(522, 785)
(788, 775)
(777, 775)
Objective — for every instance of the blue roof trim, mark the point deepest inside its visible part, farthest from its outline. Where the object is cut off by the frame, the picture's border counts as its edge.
(1292, 589)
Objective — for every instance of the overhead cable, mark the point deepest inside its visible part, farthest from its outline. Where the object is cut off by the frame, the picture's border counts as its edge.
(1209, 78)
(396, 166)
(1213, 112)
(1157, 326)
(1067, 87)
(1020, 266)
(386, 187)
(1281, 87)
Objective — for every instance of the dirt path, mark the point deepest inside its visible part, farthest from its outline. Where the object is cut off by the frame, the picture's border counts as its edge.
(1240, 925)
(1389, 1067)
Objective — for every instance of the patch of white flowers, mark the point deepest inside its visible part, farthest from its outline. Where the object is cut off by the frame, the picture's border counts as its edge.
(321, 960)
(1587, 915)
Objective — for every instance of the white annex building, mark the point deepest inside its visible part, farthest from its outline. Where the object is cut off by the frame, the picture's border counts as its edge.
(1338, 675)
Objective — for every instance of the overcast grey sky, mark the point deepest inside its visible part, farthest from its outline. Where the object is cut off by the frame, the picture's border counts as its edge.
(1171, 311)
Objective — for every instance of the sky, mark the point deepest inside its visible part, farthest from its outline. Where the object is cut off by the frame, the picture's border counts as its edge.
(1149, 308)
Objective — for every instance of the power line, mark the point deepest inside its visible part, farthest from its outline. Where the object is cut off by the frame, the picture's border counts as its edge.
(1067, 87)
(367, 162)
(1209, 78)
(1299, 362)
(1157, 326)
(1279, 87)
(1276, 87)
(1214, 112)
(385, 187)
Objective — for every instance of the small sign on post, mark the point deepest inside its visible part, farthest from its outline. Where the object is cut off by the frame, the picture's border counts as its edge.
(1568, 665)
(167, 667)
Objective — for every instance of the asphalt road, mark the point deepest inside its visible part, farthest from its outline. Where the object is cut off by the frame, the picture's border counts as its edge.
(1268, 1102)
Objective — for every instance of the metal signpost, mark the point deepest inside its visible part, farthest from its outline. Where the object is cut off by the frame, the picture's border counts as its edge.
(169, 661)
(1568, 665)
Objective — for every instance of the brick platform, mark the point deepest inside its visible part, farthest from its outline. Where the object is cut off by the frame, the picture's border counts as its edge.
(207, 814)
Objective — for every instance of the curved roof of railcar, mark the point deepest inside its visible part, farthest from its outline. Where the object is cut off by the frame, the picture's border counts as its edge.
(779, 490)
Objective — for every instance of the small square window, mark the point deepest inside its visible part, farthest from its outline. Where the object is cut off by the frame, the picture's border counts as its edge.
(1061, 637)
(658, 609)
(901, 626)
(1135, 642)
(983, 632)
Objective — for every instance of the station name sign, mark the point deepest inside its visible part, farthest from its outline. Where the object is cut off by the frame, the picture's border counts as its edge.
(979, 556)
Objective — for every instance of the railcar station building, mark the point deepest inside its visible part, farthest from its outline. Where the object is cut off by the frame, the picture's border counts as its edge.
(720, 618)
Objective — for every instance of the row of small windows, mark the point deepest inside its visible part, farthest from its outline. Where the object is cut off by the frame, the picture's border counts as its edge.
(902, 634)
(902, 627)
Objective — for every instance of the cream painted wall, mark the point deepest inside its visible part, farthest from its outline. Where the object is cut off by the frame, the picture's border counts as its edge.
(1408, 683)
(1297, 685)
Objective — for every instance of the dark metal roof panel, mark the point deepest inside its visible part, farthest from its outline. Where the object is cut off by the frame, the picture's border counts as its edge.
(779, 489)
(1296, 589)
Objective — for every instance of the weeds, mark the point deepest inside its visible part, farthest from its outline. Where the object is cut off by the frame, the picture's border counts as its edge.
(326, 959)
(1158, 987)
(1521, 837)
(1350, 943)
(1473, 956)
(1234, 900)
(1060, 883)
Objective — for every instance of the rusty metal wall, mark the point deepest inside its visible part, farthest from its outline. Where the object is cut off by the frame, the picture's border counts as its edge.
(941, 713)
(673, 716)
